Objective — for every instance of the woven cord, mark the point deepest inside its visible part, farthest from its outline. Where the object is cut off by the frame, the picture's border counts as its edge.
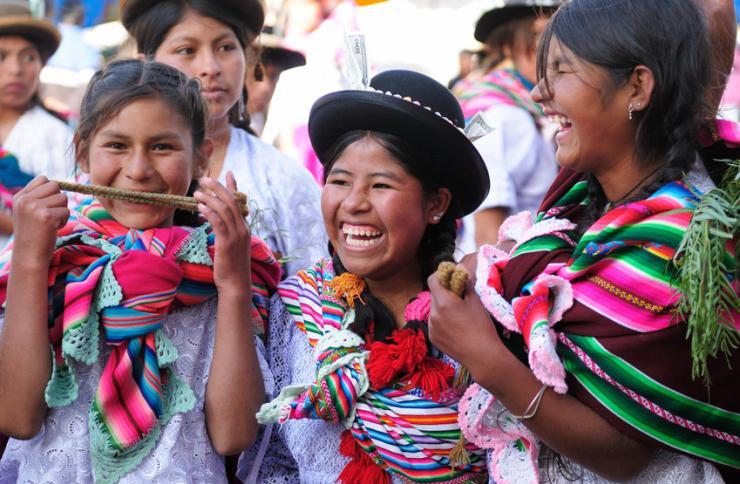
(178, 201)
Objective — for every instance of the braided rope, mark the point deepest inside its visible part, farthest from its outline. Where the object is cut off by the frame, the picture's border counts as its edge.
(178, 201)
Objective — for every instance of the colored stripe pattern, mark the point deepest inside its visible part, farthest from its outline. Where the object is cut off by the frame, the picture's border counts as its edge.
(403, 432)
(500, 86)
(621, 269)
(154, 276)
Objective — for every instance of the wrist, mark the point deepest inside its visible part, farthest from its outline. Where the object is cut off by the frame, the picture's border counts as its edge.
(30, 263)
(494, 366)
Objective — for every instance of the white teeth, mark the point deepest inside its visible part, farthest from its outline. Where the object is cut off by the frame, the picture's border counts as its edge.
(558, 119)
(349, 230)
(351, 241)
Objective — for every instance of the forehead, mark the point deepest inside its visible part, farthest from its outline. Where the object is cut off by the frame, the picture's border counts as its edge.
(199, 27)
(366, 156)
(16, 42)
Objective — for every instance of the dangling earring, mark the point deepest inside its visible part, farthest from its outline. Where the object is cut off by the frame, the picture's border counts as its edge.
(241, 107)
(629, 112)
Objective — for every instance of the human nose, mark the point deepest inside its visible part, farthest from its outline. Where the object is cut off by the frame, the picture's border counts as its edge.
(13, 64)
(208, 64)
(138, 166)
(539, 91)
(356, 200)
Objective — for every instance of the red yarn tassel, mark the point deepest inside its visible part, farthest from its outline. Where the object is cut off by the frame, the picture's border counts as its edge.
(433, 377)
(361, 469)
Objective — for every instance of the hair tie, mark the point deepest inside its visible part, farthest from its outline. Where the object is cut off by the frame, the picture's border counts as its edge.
(418, 308)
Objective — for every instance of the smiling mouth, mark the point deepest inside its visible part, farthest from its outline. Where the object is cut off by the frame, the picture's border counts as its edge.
(560, 120)
(361, 235)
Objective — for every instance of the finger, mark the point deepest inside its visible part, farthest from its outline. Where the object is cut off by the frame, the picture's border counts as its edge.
(221, 200)
(43, 189)
(36, 182)
(57, 200)
(59, 215)
(231, 181)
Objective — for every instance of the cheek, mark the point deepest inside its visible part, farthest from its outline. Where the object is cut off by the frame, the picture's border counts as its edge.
(329, 205)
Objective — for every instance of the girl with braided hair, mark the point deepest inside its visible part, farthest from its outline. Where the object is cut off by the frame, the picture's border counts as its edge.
(616, 320)
(360, 393)
(150, 317)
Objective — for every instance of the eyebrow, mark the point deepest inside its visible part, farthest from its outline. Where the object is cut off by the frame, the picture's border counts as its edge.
(385, 174)
(111, 133)
(377, 174)
(193, 38)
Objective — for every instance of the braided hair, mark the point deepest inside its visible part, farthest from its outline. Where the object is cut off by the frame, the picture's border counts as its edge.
(373, 318)
(670, 38)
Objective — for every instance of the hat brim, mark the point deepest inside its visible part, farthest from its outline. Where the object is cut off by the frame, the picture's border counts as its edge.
(497, 17)
(39, 32)
(456, 163)
(253, 12)
(285, 58)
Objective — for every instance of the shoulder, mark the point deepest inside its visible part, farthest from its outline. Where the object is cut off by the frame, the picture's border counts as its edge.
(42, 119)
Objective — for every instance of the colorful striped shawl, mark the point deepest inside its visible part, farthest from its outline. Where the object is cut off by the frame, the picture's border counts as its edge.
(500, 86)
(619, 339)
(127, 281)
(12, 178)
(403, 432)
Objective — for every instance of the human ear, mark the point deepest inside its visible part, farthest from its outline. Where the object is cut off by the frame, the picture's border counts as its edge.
(202, 158)
(642, 84)
(437, 205)
(84, 163)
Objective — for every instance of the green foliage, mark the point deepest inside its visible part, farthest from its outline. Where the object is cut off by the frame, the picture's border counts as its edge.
(708, 298)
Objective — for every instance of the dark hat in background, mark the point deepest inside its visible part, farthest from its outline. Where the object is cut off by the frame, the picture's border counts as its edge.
(511, 10)
(250, 12)
(417, 109)
(274, 51)
(16, 19)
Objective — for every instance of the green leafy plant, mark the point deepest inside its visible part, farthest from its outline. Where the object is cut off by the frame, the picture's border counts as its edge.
(704, 262)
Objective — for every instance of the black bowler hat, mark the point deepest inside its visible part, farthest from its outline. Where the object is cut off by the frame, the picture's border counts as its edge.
(511, 10)
(249, 12)
(418, 110)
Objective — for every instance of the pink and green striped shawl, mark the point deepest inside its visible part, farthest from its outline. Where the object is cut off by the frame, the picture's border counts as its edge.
(125, 281)
(618, 337)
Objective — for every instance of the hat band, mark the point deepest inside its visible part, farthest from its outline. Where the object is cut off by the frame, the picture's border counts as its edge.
(412, 101)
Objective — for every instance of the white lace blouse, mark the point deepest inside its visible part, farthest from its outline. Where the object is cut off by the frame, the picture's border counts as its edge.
(286, 196)
(60, 453)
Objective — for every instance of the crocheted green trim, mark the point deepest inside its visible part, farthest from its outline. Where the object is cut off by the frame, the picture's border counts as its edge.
(166, 351)
(195, 248)
(110, 463)
(81, 342)
(270, 412)
(707, 296)
(62, 388)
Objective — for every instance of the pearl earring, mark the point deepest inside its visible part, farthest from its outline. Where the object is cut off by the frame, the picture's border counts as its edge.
(437, 217)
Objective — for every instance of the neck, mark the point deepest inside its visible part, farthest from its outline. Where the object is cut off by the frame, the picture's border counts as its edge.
(625, 179)
(219, 131)
(396, 292)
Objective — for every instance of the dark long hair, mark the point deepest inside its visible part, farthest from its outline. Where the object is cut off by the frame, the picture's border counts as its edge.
(122, 82)
(438, 241)
(670, 38)
(151, 28)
